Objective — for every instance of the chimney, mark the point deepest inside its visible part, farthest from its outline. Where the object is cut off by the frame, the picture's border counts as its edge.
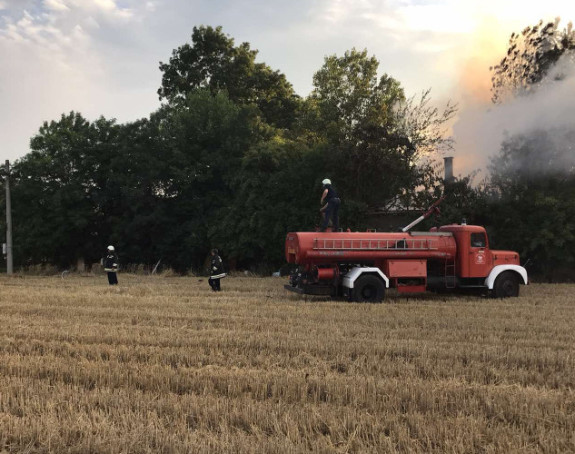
(448, 175)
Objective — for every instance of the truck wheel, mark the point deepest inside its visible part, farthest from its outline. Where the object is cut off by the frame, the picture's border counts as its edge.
(368, 289)
(506, 285)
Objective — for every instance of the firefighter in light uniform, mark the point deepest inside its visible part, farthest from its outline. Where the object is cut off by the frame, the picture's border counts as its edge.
(331, 207)
(111, 265)
(216, 271)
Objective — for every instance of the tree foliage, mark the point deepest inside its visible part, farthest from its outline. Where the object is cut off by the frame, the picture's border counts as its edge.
(277, 191)
(212, 61)
(530, 55)
(376, 138)
(533, 200)
(58, 190)
(204, 143)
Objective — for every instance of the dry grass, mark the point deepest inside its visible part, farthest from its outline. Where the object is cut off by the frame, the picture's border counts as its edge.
(161, 365)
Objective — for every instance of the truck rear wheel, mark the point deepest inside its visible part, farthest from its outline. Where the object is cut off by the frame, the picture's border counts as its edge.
(506, 285)
(368, 289)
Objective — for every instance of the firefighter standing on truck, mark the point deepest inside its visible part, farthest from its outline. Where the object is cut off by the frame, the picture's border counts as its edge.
(216, 271)
(331, 207)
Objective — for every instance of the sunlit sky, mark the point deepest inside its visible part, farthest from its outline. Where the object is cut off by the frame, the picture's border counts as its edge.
(100, 57)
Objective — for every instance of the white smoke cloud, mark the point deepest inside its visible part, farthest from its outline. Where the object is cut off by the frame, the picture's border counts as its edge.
(481, 130)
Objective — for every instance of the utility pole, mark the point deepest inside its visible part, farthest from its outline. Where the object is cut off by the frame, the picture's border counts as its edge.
(9, 260)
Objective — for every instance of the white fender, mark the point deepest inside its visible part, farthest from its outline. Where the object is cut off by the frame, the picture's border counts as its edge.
(350, 278)
(497, 270)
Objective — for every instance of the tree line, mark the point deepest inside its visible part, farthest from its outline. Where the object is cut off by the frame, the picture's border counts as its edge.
(234, 158)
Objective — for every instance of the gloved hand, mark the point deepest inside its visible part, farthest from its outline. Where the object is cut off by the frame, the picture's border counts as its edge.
(214, 268)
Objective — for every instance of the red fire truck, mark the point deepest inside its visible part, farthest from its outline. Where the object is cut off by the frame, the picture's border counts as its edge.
(363, 265)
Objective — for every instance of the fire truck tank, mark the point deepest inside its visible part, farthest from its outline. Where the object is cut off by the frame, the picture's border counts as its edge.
(306, 248)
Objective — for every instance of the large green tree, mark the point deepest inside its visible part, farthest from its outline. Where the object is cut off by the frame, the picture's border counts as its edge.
(57, 187)
(375, 137)
(204, 140)
(132, 204)
(214, 62)
(153, 187)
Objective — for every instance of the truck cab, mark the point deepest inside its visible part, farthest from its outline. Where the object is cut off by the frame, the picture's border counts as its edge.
(476, 262)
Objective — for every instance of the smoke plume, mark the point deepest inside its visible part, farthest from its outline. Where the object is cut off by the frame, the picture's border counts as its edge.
(548, 111)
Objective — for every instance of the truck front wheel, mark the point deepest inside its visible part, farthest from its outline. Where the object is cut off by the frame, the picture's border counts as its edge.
(506, 285)
(368, 289)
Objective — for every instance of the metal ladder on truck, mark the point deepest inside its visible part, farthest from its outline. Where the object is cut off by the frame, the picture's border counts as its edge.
(377, 244)
(450, 277)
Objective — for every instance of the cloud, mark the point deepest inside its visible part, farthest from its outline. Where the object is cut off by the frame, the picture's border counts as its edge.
(55, 5)
(108, 6)
(151, 6)
(18, 5)
(75, 9)
(34, 33)
(406, 48)
(69, 55)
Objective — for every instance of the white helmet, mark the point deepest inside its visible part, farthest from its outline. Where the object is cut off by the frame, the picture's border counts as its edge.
(326, 181)
(111, 248)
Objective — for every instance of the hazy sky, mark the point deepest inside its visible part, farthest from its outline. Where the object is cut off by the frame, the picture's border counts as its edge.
(100, 57)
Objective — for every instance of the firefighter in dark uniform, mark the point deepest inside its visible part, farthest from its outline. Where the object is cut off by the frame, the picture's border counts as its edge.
(111, 265)
(331, 208)
(216, 271)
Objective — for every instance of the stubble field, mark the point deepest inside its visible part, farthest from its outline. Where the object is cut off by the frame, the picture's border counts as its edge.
(162, 365)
